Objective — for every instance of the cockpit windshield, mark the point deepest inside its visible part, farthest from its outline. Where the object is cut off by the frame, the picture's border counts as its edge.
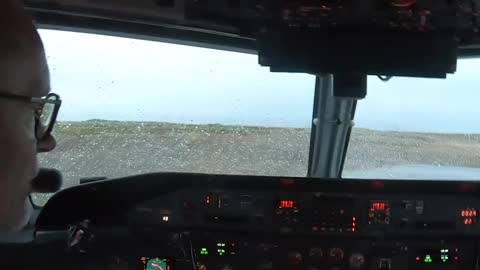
(416, 128)
(133, 106)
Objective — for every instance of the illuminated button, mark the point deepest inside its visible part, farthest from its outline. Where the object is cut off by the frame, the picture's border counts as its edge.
(208, 200)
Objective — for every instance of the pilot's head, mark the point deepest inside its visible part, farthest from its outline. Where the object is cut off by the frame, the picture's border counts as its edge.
(23, 73)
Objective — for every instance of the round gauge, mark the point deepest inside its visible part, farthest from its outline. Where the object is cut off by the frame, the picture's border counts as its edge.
(156, 264)
(336, 253)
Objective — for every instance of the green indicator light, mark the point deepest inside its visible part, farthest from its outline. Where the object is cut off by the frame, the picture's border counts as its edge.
(428, 259)
(204, 251)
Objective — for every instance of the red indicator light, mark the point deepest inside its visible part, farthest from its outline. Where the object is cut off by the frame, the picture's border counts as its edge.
(474, 213)
(353, 229)
(208, 200)
(455, 258)
(354, 219)
(468, 221)
(379, 206)
(403, 3)
(286, 204)
(417, 258)
(463, 213)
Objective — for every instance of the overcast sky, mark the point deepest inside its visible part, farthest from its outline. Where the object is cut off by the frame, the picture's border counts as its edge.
(101, 77)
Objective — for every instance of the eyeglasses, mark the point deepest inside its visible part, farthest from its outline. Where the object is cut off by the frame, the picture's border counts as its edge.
(45, 111)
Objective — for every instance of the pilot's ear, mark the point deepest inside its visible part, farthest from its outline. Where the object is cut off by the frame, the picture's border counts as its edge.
(46, 144)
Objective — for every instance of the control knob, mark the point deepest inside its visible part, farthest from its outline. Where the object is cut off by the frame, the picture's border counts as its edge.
(357, 261)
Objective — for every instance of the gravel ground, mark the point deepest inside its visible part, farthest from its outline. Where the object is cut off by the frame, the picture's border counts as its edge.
(114, 149)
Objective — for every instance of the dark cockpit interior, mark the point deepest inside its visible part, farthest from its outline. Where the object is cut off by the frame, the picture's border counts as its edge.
(176, 221)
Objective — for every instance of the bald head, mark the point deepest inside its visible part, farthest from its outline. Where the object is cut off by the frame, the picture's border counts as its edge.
(23, 72)
(23, 66)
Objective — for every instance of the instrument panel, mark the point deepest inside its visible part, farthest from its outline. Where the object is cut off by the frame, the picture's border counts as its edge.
(316, 230)
(312, 213)
(216, 222)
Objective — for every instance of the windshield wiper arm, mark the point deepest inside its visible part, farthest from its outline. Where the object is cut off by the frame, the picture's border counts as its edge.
(86, 180)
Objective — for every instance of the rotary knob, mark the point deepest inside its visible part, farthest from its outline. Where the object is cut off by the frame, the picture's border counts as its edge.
(357, 261)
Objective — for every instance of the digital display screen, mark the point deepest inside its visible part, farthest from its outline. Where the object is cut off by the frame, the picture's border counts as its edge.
(286, 204)
(379, 206)
(154, 263)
